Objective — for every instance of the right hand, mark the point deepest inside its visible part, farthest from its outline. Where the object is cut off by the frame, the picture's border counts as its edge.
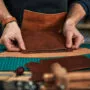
(73, 37)
(12, 33)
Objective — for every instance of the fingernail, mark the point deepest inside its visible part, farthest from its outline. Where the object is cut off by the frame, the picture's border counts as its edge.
(68, 46)
(24, 48)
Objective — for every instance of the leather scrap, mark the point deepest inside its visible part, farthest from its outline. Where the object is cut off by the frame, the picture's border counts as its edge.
(72, 63)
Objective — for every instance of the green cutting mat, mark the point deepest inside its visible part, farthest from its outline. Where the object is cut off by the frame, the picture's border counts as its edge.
(12, 63)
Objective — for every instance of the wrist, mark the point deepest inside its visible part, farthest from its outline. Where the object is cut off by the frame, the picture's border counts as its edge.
(70, 22)
(4, 16)
(7, 16)
(11, 23)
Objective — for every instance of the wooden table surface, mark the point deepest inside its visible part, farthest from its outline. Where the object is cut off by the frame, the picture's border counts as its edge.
(74, 79)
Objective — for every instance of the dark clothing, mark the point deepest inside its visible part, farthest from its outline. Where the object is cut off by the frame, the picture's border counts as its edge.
(16, 7)
(84, 3)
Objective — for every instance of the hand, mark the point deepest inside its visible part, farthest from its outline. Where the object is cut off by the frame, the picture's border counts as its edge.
(12, 33)
(73, 37)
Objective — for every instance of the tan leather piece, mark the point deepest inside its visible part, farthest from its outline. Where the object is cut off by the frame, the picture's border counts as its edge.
(41, 32)
(79, 51)
(8, 20)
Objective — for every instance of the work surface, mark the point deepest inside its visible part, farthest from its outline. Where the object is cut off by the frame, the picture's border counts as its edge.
(9, 61)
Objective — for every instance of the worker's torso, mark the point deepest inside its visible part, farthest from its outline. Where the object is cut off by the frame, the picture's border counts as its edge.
(16, 7)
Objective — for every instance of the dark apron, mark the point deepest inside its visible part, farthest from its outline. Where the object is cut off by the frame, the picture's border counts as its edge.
(16, 7)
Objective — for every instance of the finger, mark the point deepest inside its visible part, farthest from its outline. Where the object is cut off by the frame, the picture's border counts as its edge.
(20, 42)
(14, 48)
(78, 42)
(69, 39)
(9, 45)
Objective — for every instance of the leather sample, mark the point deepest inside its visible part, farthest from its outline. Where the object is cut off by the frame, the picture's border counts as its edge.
(71, 63)
(42, 32)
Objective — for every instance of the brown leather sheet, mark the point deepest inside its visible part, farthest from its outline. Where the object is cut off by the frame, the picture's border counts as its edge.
(42, 32)
(72, 63)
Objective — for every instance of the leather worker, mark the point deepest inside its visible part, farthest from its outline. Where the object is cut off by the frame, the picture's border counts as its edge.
(15, 8)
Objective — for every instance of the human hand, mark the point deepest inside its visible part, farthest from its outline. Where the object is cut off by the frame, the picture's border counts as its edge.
(73, 37)
(10, 34)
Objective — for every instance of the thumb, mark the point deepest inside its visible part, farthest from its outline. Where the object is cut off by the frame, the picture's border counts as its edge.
(69, 36)
(20, 42)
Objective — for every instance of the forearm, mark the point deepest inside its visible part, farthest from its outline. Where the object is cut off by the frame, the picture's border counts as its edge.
(75, 14)
(3, 11)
